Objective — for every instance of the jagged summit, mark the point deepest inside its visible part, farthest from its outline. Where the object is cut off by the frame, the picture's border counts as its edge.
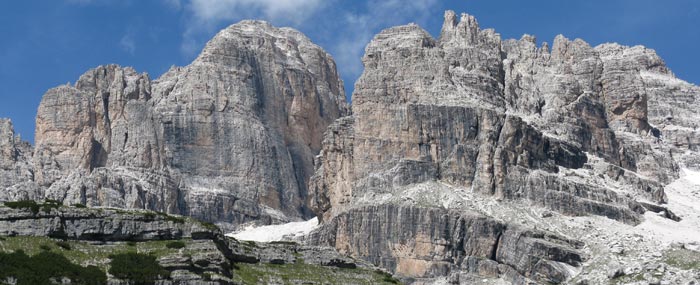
(252, 35)
(229, 138)
(465, 158)
(456, 146)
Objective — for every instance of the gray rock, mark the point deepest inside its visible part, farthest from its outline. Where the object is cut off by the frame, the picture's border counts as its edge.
(229, 138)
(430, 242)
(99, 224)
(575, 129)
(208, 257)
(616, 273)
(16, 171)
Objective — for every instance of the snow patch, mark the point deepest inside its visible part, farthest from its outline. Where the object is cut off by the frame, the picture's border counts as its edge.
(691, 176)
(684, 200)
(276, 232)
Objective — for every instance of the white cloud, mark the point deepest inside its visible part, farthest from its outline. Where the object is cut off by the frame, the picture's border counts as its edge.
(173, 4)
(205, 15)
(343, 27)
(289, 11)
(360, 28)
(127, 43)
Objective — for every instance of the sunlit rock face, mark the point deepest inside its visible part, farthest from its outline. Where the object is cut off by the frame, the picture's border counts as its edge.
(570, 128)
(229, 138)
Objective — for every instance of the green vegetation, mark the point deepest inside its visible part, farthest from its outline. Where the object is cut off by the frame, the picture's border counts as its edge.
(284, 242)
(34, 206)
(209, 226)
(81, 206)
(683, 259)
(138, 268)
(42, 267)
(628, 279)
(292, 273)
(387, 278)
(24, 204)
(63, 244)
(85, 252)
(176, 244)
(175, 219)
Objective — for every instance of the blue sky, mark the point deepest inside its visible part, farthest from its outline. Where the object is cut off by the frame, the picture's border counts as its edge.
(45, 43)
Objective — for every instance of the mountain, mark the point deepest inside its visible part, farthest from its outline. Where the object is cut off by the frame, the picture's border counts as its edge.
(463, 155)
(464, 159)
(229, 138)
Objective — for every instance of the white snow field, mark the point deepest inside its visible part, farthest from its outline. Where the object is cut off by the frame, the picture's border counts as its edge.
(275, 232)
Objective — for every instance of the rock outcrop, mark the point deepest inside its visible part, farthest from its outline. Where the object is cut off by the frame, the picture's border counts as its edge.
(448, 140)
(421, 242)
(575, 129)
(193, 252)
(229, 138)
(16, 171)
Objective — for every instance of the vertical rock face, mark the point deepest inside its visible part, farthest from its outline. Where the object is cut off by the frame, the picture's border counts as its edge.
(421, 242)
(273, 93)
(16, 174)
(575, 129)
(229, 138)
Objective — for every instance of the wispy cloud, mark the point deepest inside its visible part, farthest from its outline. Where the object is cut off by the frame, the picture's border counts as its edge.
(289, 11)
(173, 4)
(359, 28)
(127, 43)
(204, 15)
(351, 29)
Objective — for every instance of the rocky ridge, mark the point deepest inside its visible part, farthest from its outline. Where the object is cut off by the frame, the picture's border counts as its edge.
(229, 138)
(466, 158)
(439, 125)
(206, 255)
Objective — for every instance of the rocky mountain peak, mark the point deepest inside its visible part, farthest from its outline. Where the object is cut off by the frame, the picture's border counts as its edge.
(465, 157)
(229, 138)
(471, 119)
(8, 152)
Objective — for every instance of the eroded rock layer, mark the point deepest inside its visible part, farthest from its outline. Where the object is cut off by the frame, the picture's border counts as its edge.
(229, 138)
(576, 129)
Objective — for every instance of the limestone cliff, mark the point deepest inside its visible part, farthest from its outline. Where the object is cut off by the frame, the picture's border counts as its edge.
(441, 125)
(16, 172)
(229, 138)
(190, 251)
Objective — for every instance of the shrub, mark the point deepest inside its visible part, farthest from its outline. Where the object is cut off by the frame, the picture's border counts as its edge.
(63, 244)
(387, 278)
(79, 206)
(207, 276)
(202, 263)
(41, 268)
(171, 218)
(210, 226)
(175, 244)
(131, 243)
(50, 204)
(138, 268)
(151, 216)
(24, 204)
(45, 247)
(34, 206)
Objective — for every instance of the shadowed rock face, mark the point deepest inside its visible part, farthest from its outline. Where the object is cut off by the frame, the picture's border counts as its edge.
(229, 138)
(502, 119)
